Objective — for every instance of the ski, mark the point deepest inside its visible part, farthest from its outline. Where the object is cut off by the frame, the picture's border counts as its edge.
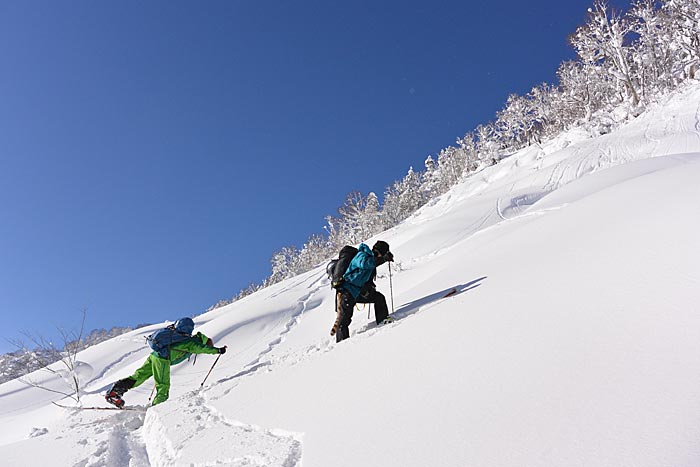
(135, 408)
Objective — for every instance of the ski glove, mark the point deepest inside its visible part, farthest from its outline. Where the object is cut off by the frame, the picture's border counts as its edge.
(383, 259)
(337, 284)
(222, 349)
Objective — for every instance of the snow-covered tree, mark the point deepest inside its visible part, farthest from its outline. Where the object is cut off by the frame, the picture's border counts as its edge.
(584, 88)
(652, 52)
(453, 164)
(467, 146)
(513, 122)
(487, 144)
(352, 218)
(373, 215)
(602, 41)
(403, 198)
(431, 185)
(284, 264)
(682, 23)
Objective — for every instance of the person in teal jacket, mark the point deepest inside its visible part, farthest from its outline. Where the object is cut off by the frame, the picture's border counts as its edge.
(357, 286)
(159, 367)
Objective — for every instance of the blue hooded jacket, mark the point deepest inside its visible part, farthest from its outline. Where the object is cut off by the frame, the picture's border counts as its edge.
(359, 271)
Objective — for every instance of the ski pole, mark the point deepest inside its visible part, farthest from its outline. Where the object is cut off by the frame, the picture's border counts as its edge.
(152, 391)
(391, 289)
(212, 367)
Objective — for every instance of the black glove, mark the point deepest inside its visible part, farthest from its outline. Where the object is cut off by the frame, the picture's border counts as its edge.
(378, 261)
(222, 349)
(337, 284)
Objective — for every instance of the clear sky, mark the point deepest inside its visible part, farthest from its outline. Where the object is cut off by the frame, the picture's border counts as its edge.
(153, 155)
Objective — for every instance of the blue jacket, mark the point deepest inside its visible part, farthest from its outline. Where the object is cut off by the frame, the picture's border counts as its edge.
(359, 271)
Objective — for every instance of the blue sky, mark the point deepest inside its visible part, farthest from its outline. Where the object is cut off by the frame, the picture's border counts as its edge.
(153, 155)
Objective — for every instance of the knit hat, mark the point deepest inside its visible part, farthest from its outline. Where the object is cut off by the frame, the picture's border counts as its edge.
(381, 247)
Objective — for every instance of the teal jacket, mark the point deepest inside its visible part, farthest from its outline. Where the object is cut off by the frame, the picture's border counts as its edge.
(359, 271)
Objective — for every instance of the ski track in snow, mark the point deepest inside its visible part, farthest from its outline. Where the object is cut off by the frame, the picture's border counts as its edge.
(114, 439)
(294, 319)
(304, 304)
(186, 431)
(207, 437)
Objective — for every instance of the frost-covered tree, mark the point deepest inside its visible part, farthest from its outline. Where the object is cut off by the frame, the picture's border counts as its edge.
(430, 180)
(403, 198)
(584, 88)
(602, 40)
(284, 264)
(453, 164)
(352, 218)
(513, 122)
(373, 215)
(652, 51)
(467, 146)
(543, 110)
(682, 24)
(315, 250)
(487, 145)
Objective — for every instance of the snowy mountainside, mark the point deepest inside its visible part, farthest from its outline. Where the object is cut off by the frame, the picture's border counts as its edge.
(573, 338)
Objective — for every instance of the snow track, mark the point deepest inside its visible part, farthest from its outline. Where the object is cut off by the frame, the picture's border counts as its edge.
(206, 437)
(187, 431)
(295, 318)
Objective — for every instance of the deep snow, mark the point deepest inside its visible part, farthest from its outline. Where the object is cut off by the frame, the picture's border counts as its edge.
(574, 338)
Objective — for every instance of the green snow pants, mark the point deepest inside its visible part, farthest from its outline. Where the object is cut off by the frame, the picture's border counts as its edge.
(159, 368)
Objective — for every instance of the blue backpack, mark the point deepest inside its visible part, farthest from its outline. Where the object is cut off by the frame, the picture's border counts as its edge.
(161, 340)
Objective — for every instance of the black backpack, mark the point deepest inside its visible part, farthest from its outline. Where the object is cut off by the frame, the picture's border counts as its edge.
(336, 267)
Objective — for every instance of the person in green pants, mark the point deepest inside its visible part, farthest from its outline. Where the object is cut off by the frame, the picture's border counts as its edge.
(158, 366)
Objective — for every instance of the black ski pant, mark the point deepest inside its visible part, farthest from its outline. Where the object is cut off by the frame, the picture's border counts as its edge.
(345, 304)
(123, 385)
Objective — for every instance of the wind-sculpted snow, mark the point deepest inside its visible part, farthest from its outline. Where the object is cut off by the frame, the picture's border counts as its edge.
(546, 315)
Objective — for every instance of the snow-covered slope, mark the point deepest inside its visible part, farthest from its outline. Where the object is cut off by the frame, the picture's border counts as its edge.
(574, 338)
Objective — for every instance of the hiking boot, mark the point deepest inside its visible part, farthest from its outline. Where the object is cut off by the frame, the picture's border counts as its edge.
(115, 399)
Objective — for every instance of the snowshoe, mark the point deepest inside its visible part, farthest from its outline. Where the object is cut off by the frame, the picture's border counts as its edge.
(115, 399)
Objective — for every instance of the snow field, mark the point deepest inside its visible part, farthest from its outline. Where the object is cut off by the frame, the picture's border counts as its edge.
(573, 338)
